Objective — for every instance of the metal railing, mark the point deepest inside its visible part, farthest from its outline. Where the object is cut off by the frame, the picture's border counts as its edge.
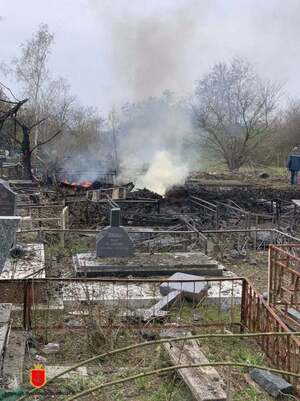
(258, 316)
(284, 279)
(107, 304)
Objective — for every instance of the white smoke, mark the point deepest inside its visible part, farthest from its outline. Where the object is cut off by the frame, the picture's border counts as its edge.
(153, 144)
(164, 172)
(148, 56)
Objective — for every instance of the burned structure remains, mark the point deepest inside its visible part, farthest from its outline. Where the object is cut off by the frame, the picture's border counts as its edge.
(159, 267)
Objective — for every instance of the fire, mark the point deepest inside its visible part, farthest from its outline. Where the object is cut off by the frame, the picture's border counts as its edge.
(84, 184)
(87, 184)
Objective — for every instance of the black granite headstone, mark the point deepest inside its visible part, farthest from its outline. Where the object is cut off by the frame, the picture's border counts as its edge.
(114, 241)
(7, 199)
(274, 385)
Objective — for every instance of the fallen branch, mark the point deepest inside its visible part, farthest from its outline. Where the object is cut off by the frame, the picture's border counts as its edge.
(161, 341)
(175, 367)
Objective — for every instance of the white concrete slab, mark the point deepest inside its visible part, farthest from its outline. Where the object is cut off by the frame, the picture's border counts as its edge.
(31, 262)
(132, 295)
(52, 371)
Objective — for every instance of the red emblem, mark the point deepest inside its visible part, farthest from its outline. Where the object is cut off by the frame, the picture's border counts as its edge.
(37, 376)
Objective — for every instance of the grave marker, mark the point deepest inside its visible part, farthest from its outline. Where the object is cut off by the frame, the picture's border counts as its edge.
(8, 228)
(191, 290)
(7, 199)
(114, 241)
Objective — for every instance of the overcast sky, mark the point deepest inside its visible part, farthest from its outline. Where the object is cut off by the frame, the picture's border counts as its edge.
(111, 51)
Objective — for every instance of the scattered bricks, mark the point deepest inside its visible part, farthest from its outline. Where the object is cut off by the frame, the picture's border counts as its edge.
(274, 385)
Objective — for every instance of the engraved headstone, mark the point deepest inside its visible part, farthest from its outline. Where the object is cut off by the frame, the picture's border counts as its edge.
(7, 199)
(114, 241)
(8, 228)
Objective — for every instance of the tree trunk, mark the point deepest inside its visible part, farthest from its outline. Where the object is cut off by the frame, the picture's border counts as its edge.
(26, 154)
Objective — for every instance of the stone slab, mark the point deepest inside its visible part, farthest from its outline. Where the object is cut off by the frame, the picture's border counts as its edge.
(190, 290)
(294, 314)
(296, 202)
(146, 264)
(158, 310)
(172, 291)
(272, 384)
(7, 199)
(123, 295)
(52, 371)
(13, 366)
(27, 265)
(8, 228)
(4, 328)
(5, 312)
(205, 383)
(227, 292)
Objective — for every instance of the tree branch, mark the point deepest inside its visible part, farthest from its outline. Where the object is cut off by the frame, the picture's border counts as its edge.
(10, 91)
(37, 123)
(48, 140)
(13, 110)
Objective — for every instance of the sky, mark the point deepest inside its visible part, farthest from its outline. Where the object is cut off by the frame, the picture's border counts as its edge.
(113, 51)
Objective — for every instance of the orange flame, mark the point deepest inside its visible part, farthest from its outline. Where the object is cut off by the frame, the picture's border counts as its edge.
(84, 184)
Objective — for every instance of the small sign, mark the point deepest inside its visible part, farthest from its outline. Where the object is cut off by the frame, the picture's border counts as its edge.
(37, 376)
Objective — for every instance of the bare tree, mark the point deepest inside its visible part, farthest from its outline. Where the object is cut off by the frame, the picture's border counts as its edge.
(10, 121)
(32, 71)
(234, 108)
(25, 144)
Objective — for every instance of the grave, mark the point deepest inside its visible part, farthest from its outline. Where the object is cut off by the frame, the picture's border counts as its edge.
(132, 296)
(114, 241)
(8, 228)
(115, 256)
(7, 199)
(30, 264)
(146, 265)
(172, 291)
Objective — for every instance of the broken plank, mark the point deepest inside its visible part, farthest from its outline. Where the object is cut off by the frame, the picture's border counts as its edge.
(205, 383)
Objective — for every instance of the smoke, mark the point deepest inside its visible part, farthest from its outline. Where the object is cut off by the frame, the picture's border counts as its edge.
(150, 53)
(150, 44)
(163, 173)
(153, 141)
(149, 57)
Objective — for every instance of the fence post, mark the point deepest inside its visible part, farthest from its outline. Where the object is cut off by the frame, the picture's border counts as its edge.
(27, 303)
(244, 305)
(64, 224)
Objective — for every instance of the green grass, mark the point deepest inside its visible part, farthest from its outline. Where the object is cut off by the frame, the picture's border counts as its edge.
(248, 394)
(171, 392)
(244, 355)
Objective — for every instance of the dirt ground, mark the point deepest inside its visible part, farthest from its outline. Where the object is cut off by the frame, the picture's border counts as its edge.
(254, 267)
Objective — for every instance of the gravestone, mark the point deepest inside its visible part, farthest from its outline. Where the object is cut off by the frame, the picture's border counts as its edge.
(194, 291)
(7, 199)
(8, 228)
(114, 241)
(274, 385)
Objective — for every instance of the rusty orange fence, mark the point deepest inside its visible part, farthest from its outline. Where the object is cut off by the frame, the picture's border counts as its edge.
(246, 308)
(258, 316)
(284, 281)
